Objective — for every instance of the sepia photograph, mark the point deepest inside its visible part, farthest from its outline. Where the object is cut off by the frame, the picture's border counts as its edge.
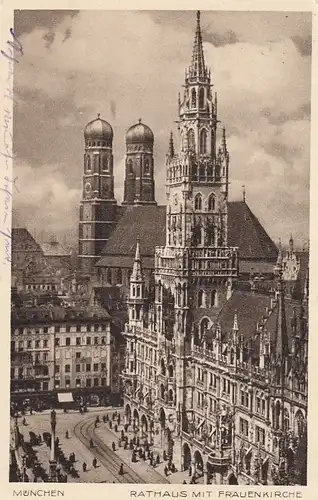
(160, 247)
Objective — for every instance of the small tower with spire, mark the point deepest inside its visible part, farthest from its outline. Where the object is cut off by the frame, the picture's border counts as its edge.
(136, 300)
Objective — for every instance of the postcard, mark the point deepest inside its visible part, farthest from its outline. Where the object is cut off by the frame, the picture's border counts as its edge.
(157, 271)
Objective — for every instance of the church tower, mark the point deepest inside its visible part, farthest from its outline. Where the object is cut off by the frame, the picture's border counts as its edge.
(139, 178)
(98, 205)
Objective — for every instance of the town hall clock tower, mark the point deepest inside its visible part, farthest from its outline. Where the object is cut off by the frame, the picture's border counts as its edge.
(98, 205)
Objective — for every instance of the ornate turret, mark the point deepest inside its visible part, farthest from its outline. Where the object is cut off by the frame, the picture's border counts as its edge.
(136, 291)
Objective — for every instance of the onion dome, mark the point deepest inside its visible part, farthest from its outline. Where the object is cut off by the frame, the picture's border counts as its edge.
(98, 129)
(139, 133)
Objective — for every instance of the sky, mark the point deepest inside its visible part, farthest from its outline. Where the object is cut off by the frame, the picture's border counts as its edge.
(128, 65)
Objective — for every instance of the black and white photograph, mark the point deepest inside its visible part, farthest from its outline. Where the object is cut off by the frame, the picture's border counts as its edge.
(160, 247)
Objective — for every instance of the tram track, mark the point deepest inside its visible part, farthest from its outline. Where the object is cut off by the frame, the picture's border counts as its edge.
(84, 431)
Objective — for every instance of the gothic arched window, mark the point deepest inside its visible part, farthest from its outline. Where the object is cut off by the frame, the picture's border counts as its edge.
(162, 367)
(201, 298)
(193, 98)
(119, 276)
(88, 162)
(105, 163)
(191, 139)
(198, 202)
(130, 166)
(204, 326)
(214, 298)
(286, 419)
(109, 276)
(299, 423)
(203, 141)
(96, 162)
(211, 203)
(201, 98)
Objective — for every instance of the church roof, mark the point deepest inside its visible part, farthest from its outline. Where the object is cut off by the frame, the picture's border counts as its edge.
(148, 223)
(246, 232)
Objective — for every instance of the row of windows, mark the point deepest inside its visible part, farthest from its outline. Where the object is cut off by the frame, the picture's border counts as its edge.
(40, 287)
(97, 143)
(192, 143)
(78, 367)
(211, 202)
(130, 168)
(95, 382)
(30, 344)
(81, 341)
(200, 95)
(25, 372)
(207, 299)
(105, 162)
(62, 329)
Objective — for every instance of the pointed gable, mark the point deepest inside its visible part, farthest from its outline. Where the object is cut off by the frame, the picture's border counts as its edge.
(246, 232)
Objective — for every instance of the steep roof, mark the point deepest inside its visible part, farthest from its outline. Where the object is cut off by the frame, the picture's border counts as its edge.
(246, 232)
(250, 308)
(40, 314)
(23, 241)
(149, 224)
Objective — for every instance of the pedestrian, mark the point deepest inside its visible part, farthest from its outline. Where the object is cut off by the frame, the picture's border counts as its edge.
(113, 446)
(165, 470)
(121, 469)
(84, 467)
(104, 419)
(91, 443)
(118, 420)
(190, 470)
(24, 421)
(107, 417)
(119, 443)
(31, 412)
(110, 424)
(66, 435)
(125, 445)
(164, 455)
(116, 428)
(184, 482)
(158, 459)
(94, 463)
(126, 427)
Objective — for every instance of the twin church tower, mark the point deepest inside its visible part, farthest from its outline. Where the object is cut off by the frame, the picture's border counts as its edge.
(99, 212)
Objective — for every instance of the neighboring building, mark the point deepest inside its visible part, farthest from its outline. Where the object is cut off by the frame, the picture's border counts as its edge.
(58, 258)
(63, 350)
(27, 255)
(215, 375)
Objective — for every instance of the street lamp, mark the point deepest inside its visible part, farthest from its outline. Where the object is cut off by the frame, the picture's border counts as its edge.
(53, 475)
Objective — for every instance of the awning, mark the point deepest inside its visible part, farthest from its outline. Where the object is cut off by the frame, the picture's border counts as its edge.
(65, 397)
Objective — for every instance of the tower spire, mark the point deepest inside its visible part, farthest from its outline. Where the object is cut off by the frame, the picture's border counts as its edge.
(171, 145)
(197, 68)
(137, 267)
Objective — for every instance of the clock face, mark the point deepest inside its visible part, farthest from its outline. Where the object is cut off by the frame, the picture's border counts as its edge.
(88, 187)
